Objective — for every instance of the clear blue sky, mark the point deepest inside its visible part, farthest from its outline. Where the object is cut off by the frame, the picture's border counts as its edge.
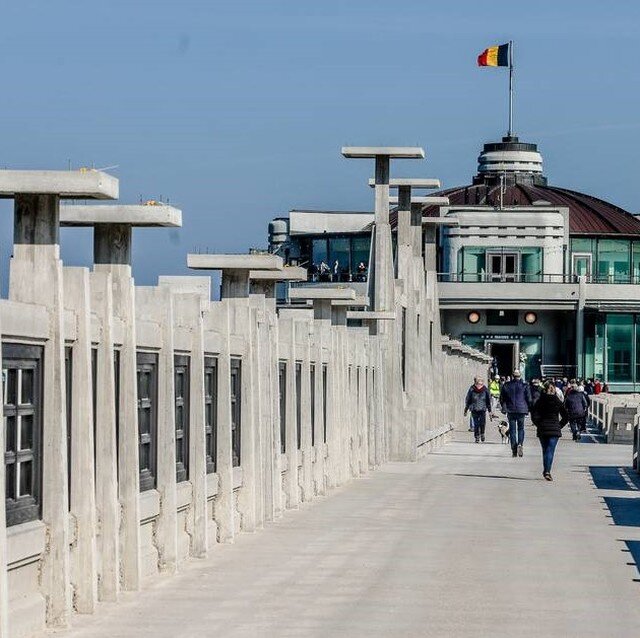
(236, 111)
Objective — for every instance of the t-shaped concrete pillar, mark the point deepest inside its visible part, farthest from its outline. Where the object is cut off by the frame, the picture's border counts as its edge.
(117, 490)
(36, 277)
(382, 271)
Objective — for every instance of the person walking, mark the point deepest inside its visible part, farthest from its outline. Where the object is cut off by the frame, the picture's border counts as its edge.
(494, 391)
(478, 402)
(549, 416)
(576, 404)
(515, 399)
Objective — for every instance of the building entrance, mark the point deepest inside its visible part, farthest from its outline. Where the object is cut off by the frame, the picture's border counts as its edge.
(505, 356)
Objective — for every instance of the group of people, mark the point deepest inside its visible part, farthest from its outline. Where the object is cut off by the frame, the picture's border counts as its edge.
(552, 404)
(324, 272)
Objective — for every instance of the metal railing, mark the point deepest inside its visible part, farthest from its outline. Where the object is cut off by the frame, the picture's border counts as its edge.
(538, 278)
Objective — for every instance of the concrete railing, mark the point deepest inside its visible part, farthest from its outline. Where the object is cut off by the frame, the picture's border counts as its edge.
(616, 416)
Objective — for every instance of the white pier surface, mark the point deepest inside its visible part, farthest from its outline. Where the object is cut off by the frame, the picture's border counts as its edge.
(467, 542)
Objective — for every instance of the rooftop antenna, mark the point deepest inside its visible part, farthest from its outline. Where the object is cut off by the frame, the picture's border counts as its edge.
(510, 132)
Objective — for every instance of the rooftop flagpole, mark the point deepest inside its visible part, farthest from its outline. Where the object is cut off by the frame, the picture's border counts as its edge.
(510, 132)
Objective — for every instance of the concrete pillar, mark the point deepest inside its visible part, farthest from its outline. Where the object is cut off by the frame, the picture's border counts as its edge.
(157, 304)
(4, 594)
(582, 295)
(106, 444)
(35, 276)
(82, 504)
(304, 336)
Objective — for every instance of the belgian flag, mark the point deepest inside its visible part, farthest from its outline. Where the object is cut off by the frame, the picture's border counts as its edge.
(495, 56)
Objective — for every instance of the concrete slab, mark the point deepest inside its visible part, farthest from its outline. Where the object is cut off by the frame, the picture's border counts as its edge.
(440, 221)
(399, 152)
(187, 283)
(311, 292)
(371, 315)
(466, 543)
(83, 184)
(288, 273)
(358, 301)
(417, 182)
(234, 262)
(426, 200)
(132, 214)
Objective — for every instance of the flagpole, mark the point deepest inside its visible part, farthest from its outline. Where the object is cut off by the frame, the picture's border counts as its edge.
(510, 88)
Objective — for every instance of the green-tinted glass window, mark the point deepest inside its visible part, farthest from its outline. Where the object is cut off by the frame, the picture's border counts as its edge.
(620, 335)
(531, 264)
(339, 252)
(473, 264)
(613, 260)
(635, 262)
(319, 252)
(582, 245)
(360, 257)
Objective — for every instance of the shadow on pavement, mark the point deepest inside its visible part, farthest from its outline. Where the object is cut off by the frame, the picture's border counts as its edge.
(499, 476)
(633, 547)
(624, 511)
(614, 477)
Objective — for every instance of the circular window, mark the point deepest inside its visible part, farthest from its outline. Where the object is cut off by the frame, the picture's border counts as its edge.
(473, 317)
(530, 317)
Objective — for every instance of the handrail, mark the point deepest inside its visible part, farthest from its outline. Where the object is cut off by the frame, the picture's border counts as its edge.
(538, 278)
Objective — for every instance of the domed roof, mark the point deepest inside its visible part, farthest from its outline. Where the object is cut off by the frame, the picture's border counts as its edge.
(515, 168)
(588, 215)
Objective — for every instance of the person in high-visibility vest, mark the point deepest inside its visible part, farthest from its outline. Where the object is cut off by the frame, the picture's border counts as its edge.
(494, 391)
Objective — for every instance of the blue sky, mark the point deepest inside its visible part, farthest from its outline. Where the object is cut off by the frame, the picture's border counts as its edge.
(236, 111)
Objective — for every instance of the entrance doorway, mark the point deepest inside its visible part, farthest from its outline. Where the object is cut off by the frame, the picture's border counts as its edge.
(504, 352)
(503, 266)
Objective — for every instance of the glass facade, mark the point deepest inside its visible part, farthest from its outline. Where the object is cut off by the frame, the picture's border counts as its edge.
(612, 348)
(338, 257)
(615, 261)
(479, 263)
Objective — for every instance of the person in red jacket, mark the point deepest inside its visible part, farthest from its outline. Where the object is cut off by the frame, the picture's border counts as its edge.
(597, 387)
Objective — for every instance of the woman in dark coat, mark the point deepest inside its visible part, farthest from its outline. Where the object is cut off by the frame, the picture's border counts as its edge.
(550, 416)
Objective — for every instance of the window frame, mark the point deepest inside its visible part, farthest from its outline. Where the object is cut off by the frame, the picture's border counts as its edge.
(236, 411)
(16, 356)
(181, 367)
(148, 362)
(211, 407)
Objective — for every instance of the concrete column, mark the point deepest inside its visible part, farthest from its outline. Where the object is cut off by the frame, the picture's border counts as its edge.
(582, 295)
(82, 490)
(320, 335)
(224, 510)
(156, 304)
(106, 444)
(291, 488)
(35, 276)
(304, 336)
(4, 594)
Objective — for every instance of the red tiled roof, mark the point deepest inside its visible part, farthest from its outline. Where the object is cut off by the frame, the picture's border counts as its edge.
(587, 215)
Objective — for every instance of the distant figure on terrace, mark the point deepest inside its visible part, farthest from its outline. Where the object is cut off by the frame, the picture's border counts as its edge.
(362, 271)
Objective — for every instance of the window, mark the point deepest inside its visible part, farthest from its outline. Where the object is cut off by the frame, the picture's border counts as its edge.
(312, 394)
(403, 352)
(211, 411)
(324, 403)
(236, 409)
(613, 260)
(181, 390)
(68, 389)
(471, 264)
(282, 383)
(298, 404)
(360, 247)
(147, 372)
(22, 376)
(619, 347)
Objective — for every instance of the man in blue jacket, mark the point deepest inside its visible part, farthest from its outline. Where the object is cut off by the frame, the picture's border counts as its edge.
(515, 399)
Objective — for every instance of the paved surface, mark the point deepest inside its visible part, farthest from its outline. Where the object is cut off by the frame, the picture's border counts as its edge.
(468, 542)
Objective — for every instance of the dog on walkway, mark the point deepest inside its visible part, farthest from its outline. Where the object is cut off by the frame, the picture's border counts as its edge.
(503, 429)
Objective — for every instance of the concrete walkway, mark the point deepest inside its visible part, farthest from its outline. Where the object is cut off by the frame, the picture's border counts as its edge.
(468, 542)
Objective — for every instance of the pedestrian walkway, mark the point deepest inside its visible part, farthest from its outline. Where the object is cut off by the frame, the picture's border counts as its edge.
(467, 542)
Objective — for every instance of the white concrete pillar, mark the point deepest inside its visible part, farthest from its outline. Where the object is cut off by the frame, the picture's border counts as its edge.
(156, 304)
(304, 334)
(291, 487)
(106, 444)
(4, 594)
(82, 504)
(35, 276)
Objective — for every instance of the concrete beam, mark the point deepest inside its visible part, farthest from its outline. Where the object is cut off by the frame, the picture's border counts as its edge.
(234, 262)
(418, 182)
(439, 221)
(329, 294)
(288, 273)
(81, 184)
(358, 301)
(371, 315)
(371, 152)
(146, 215)
(427, 201)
